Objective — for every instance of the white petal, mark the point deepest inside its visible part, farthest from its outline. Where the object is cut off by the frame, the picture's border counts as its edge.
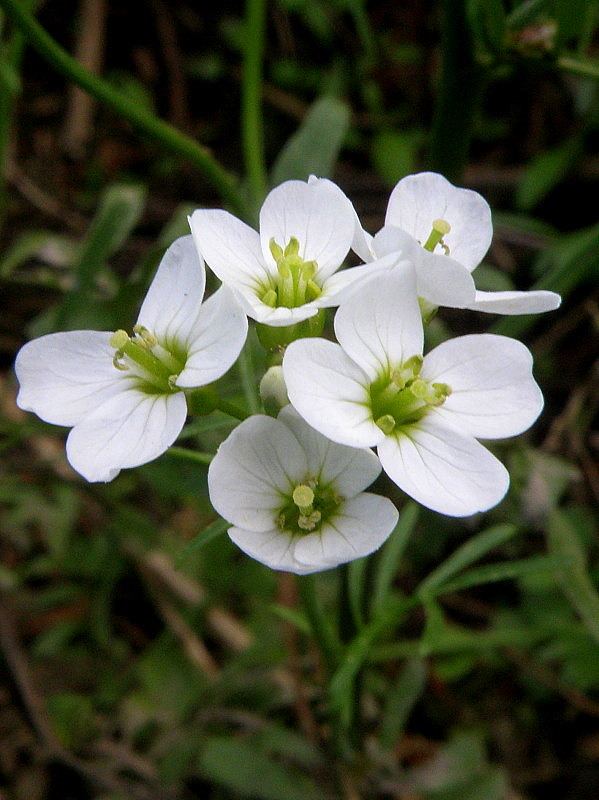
(336, 288)
(348, 469)
(362, 244)
(444, 470)
(317, 214)
(418, 200)
(125, 431)
(358, 528)
(64, 376)
(253, 470)
(533, 302)
(277, 317)
(230, 248)
(493, 391)
(330, 392)
(379, 325)
(173, 299)
(215, 341)
(273, 548)
(439, 279)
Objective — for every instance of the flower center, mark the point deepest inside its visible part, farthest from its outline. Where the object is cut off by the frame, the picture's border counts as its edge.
(308, 507)
(294, 284)
(440, 229)
(403, 397)
(155, 366)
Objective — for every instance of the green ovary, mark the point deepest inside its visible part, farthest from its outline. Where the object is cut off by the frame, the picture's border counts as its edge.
(402, 397)
(156, 367)
(308, 507)
(294, 284)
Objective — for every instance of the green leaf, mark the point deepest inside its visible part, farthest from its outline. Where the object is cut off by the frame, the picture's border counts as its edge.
(572, 573)
(244, 768)
(401, 699)
(391, 554)
(467, 554)
(487, 20)
(546, 170)
(490, 573)
(72, 718)
(314, 147)
(40, 244)
(395, 154)
(210, 532)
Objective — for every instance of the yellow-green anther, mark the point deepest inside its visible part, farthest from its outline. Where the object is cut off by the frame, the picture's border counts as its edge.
(116, 361)
(407, 371)
(144, 336)
(419, 389)
(292, 248)
(269, 298)
(386, 423)
(172, 382)
(303, 497)
(313, 290)
(119, 339)
(276, 250)
(309, 269)
(307, 522)
(441, 393)
(440, 229)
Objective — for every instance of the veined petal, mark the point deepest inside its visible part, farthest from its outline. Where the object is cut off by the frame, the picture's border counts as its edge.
(64, 376)
(125, 431)
(533, 302)
(359, 527)
(317, 214)
(230, 248)
(493, 391)
(330, 391)
(280, 316)
(336, 288)
(443, 469)
(173, 299)
(272, 547)
(379, 325)
(215, 341)
(254, 468)
(418, 200)
(348, 469)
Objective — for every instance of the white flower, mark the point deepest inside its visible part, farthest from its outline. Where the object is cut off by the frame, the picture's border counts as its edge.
(446, 232)
(287, 272)
(122, 396)
(424, 415)
(295, 498)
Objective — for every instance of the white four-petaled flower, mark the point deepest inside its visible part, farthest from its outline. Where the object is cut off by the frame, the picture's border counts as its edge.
(295, 498)
(424, 415)
(445, 231)
(123, 396)
(289, 271)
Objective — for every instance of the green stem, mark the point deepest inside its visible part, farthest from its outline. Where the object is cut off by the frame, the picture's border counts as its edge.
(232, 410)
(251, 110)
(245, 367)
(584, 69)
(319, 622)
(190, 455)
(157, 129)
(458, 94)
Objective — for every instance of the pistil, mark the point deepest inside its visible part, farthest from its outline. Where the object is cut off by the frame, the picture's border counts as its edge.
(440, 229)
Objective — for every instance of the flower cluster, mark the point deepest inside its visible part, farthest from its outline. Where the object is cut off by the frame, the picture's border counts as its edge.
(291, 482)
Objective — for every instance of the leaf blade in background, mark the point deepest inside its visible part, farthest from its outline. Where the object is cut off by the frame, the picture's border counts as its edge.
(314, 147)
(401, 699)
(391, 554)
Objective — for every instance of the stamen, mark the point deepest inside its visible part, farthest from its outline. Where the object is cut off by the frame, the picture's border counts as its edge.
(144, 336)
(303, 497)
(407, 371)
(119, 339)
(310, 521)
(386, 423)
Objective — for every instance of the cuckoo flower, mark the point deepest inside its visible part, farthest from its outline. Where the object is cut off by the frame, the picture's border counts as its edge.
(295, 499)
(424, 414)
(124, 396)
(446, 232)
(288, 272)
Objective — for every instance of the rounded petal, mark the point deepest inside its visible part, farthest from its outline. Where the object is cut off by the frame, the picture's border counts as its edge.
(443, 469)
(330, 392)
(379, 325)
(534, 302)
(439, 279)
(173, 299)
(317, 214)
(336, 288)
(215, 341)
(65, 376)
(418, 200)
(277, 317)
(272, 548)
(125, 431)
(493, 391)
(359, 527)
(230, 248)
(349, 469)
(253, 470)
